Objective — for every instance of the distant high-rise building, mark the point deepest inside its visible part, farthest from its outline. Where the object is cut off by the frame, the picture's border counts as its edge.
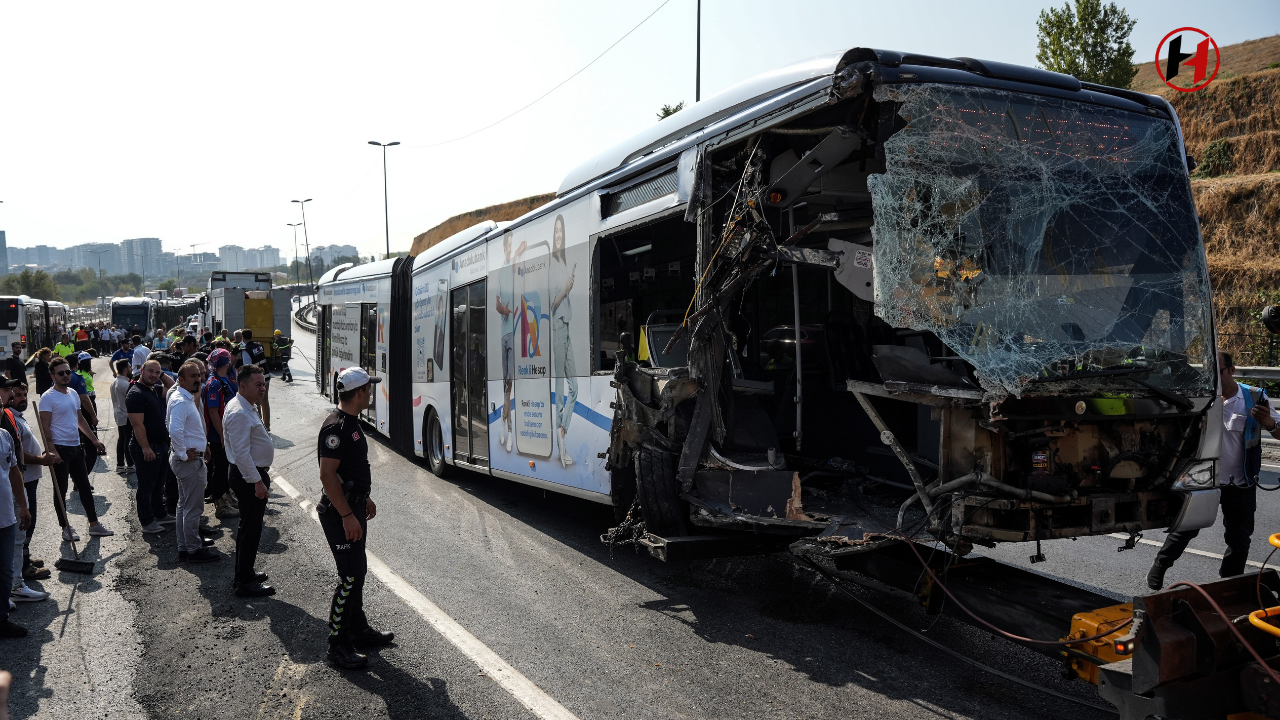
(142, 256)
(4, 254)
(263, 257)
(328, 253)
(232, 257)
(96, 256)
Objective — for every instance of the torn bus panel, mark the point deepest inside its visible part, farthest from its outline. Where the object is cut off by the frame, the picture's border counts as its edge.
(920, 302)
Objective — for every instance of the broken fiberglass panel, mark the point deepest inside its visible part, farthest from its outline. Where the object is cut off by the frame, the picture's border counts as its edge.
(1040, 237)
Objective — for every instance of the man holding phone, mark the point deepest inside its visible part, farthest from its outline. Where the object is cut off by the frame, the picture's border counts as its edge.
(1246, 412)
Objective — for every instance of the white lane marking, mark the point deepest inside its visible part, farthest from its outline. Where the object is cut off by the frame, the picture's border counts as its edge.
(513, 681)
(1193, 551)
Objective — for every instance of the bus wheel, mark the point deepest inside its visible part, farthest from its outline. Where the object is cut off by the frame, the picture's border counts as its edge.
(665, 513)
(433, 446)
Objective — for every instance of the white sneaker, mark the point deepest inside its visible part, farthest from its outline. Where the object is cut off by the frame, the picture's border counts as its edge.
(22, 593)
(511, 440)
(100, 530)
(565, 460)
(69, 533)
(154, 528)
(167, 520)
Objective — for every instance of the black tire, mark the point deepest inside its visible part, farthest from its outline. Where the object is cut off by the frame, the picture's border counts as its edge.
(665, 513)
(622, 487)
(433, 446)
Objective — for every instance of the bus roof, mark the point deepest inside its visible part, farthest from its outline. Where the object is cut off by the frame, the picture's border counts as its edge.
(699, 115)
(456, 241)
(131, 301)
(350, 273)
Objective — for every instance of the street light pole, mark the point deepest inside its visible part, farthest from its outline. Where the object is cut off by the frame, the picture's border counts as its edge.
(385, 213)
(306, 241)
(297, 268)
(697, 68)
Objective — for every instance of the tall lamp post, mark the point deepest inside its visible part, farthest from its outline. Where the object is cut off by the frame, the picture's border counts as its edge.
(305, 240)
(297, 270)
(385, 215)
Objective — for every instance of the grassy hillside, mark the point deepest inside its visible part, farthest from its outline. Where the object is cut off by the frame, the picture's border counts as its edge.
(1240, 59)
(1232, 128)
(497, 213)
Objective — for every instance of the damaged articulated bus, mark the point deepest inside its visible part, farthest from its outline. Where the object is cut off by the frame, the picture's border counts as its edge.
(978, 283)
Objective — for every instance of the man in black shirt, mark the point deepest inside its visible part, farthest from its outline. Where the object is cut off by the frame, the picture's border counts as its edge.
(13, 364)
(149, 446)
(344, 513)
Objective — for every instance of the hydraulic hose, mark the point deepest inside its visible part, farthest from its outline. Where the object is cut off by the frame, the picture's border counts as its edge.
(986, 482)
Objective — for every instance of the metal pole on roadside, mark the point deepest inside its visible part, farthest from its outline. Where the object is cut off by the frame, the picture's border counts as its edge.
(297, 267)
(386, 215)
(305, 240)
(697, 70)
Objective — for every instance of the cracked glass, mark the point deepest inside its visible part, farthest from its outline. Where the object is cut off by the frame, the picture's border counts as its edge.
(1040, 239)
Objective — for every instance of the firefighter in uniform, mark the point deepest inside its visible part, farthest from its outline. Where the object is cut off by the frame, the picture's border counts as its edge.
(344, 513)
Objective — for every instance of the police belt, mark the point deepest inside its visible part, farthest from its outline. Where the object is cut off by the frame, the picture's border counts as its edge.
(354, 499)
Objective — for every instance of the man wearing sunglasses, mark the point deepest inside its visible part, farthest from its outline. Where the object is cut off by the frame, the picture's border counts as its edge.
(61, 423)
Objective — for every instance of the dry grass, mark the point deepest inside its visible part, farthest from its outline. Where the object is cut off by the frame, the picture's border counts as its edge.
(1240, 59)
(497, 213)
(1244, 113)
(1240, 221)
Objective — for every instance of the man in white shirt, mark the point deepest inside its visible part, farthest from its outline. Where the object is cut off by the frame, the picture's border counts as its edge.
(140, 354)
(186, 458)
(32, 458)
(61, 423)
(1246, 412)
(249, 454)
(14, 517)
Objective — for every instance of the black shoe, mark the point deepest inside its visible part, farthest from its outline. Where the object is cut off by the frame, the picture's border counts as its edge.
(259, 576)
(371, 638)
(343, 654)
(182, 556)
(206, 531)
(253, 589)
(9, 630)
(1155, 577)
(206, 542)
(203, 555)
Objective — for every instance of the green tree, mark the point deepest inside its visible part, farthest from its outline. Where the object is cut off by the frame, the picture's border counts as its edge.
(36, 284)
(68, 277)
(669, 110)
(1090, 42)
(169, 285)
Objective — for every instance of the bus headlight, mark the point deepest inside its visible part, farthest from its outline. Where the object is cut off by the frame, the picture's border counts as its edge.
(1196, 475)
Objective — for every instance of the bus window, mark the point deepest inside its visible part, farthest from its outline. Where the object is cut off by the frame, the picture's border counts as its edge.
(642, 271)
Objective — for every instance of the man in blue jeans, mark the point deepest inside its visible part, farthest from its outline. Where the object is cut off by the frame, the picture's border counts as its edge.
(149, 446)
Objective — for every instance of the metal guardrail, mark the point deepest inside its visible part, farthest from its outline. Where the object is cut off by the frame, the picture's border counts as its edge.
(1258, 372)
(303, 316)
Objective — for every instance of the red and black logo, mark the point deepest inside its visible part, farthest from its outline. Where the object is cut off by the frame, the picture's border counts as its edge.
(1206, 50)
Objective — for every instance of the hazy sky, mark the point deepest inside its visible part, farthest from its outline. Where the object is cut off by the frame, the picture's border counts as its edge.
(198, 123)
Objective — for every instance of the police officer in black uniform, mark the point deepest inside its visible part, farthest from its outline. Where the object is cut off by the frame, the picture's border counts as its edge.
(344, 513)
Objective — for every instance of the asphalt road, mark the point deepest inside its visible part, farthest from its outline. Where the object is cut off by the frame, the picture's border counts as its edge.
(524, 573)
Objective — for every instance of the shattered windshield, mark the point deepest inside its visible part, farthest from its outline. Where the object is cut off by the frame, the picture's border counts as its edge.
(1042, 238)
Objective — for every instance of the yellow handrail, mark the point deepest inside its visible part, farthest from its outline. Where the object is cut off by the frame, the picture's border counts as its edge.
(1258, 618)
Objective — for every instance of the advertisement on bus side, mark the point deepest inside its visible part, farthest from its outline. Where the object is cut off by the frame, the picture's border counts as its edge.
(543, 407)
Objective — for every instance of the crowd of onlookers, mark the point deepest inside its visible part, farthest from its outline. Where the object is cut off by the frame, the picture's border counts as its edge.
(176, 400)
